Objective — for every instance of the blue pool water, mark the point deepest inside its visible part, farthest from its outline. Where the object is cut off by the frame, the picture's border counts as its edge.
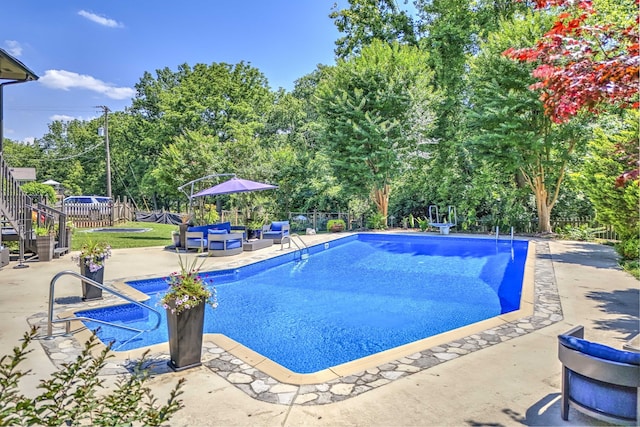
(351, 298)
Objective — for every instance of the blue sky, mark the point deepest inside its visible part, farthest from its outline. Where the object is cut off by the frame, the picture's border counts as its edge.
(90, 53)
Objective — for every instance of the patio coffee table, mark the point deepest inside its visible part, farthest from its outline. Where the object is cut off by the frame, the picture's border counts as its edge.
(254, 245)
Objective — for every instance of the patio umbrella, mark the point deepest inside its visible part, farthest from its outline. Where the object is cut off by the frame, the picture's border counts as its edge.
(235, 185)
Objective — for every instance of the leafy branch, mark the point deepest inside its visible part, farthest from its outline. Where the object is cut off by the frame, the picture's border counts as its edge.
(71, 395)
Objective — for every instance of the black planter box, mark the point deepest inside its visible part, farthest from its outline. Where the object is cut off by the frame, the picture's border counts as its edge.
(185, 337)
(90, 292)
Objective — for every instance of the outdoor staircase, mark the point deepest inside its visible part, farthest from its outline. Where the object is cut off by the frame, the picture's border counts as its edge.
(17, 211)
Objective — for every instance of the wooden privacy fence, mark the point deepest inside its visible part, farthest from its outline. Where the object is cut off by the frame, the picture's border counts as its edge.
(91, 215)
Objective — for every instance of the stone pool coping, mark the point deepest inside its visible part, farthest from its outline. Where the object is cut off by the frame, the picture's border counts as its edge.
(257, 379)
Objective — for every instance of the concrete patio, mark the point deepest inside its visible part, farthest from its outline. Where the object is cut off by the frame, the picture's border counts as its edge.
(511, 383)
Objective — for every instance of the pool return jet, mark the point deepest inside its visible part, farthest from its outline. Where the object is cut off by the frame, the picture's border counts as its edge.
(448, 221)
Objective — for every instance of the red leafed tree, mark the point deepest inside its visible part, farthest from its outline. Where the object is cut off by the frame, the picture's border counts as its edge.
(584, 62)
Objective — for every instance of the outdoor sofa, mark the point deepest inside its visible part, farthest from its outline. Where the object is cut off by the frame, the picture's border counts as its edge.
(597, 380)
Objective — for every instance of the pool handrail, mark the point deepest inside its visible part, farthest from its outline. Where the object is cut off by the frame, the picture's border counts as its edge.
(443, 227)
(51, 321)
(289, 239)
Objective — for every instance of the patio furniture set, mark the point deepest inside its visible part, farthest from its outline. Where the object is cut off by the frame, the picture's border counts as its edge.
(225, 240)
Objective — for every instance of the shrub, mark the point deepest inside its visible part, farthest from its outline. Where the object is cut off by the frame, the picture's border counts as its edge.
(423, 223)
(582, 233)
(377, 221)
(632, 267)
(337, 223)
(70, 396)
(629, 248)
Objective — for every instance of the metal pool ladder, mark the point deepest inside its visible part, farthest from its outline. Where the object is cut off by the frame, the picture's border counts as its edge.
(302, 248)
(51, 321)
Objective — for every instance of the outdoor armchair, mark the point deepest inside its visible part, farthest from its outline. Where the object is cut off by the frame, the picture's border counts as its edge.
(597, 380)
(195, 240)
(223, 243)
(277, 231)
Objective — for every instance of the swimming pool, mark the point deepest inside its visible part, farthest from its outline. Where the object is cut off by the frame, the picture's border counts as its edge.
(351, 298)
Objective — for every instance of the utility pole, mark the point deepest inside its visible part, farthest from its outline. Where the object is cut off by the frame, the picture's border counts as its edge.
(105, 111)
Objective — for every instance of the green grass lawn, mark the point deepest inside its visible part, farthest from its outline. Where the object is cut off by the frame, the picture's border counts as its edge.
(159, 235)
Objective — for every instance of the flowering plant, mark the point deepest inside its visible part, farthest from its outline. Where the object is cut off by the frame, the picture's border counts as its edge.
(93, 255)
(187, 289)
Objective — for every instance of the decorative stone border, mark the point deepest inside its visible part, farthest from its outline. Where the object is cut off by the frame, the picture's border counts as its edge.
(260, 386)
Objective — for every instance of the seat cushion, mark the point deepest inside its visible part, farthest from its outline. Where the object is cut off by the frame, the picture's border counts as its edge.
(191, 243)
(199, 228)
(277, 225)
(272, 234)
(231, 244)
(215, 231)
(599, 350)
(222, 226)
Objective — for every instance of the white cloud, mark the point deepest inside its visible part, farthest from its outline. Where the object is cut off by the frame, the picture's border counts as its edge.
(29, 140)
(13, 47)
(63, 118)
(66, 118)
(100, 20)
(65, 80)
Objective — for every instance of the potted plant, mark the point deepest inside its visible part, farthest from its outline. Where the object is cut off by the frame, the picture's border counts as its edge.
(336, 225)
(91, 261)
(185, 302)
(44, 242)
(69, 227)
(175, 238)
(186, 222)
(254, 228)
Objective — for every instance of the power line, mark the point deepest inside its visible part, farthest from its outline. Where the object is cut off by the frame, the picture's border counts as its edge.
(77, 155)
(51, 108)
(72, 156)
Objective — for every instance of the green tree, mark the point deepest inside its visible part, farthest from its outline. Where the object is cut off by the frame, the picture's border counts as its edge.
(19, 155)
(451, 31)
(374, 111)
(368, 20)
(219, 108)
(74, 154)
(614, 136)
(42, 192)
(508, 122)
(189, 157)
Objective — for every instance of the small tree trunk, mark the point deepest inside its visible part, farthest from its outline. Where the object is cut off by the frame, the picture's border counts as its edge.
(381, 199)
(542, 206)
(544, 218)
